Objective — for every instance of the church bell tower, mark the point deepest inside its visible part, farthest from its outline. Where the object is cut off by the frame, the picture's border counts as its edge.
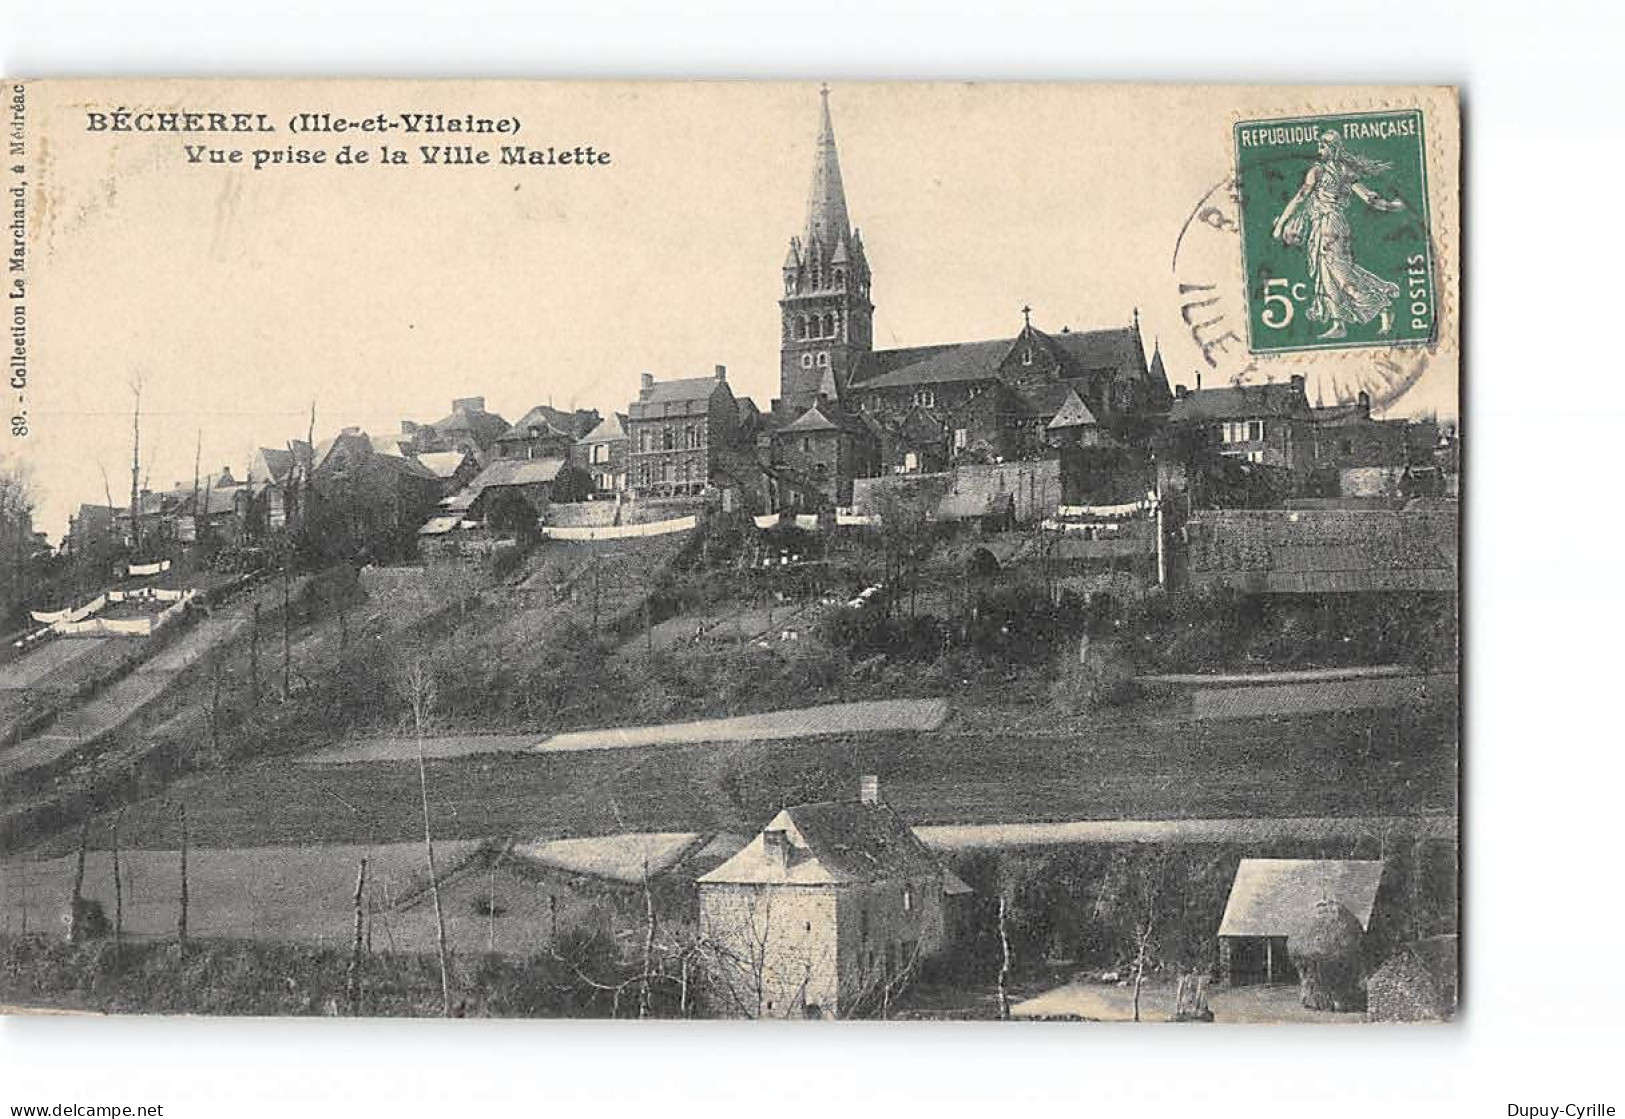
(826, 318)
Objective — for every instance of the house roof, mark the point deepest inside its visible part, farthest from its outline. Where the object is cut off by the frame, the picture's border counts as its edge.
(610, 429)
(836, 843)
(682, 396)
(1277, 897)
(1241, 402)
(402, 465)
(516, 472)
(485, 427)
(541, 420)
(442, 464)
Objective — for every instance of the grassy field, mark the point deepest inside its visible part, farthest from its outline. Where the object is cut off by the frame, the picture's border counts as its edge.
(1365, 764)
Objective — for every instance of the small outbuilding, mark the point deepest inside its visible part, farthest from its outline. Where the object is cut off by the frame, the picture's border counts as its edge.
(1273, 900)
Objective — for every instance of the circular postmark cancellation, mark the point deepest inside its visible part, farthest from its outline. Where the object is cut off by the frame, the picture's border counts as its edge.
(1318, 245)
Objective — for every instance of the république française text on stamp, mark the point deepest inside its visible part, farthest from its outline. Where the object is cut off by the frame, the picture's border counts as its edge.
(1335, 241)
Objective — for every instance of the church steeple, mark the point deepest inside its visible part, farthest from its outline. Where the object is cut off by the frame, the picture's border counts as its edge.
(827, 221)
(826, 314)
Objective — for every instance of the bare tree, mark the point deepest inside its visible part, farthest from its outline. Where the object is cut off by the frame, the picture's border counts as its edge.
(353, 978)
(1004, 958)
(135, 467)
(416, 684)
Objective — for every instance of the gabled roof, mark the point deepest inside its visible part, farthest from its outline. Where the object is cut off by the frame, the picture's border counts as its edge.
(1241, 402)
(609, 430)
(1277, 897)
(836, 843)
(442, 464)
(542, 420)
(1073, 413)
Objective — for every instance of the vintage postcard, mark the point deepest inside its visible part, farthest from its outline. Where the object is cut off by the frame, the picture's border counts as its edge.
(731, 550)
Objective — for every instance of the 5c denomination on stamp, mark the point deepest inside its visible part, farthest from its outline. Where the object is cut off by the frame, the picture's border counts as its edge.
(1336, 249)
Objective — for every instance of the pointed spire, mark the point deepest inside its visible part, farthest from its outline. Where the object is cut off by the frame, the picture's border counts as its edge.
(827, 221)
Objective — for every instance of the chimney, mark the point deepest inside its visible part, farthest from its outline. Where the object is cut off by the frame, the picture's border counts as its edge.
(468, 404)
(869, 789)
(1296, 381)
(1181, 392)
(1365, 404)
(722, 372)
(646, 381)
(776, 845)
(1198, 380)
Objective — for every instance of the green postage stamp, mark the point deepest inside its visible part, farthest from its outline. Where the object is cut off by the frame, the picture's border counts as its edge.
(1335, 242)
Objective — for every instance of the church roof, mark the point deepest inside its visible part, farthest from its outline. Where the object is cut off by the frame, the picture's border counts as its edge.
(1115, 350)
(1073, 413)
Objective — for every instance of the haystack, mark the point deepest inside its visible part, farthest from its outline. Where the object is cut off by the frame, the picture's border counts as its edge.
(1326, 954)
(1410, 988)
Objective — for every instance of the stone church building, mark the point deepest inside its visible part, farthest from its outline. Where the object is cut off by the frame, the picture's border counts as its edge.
(847, 410)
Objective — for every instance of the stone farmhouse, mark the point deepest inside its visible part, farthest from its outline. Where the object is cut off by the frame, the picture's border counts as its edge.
(828, 911)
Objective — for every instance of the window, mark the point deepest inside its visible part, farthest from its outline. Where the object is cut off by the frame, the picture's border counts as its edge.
(908, 899)
(600, 452)
(668, 438)
(806, 444)
(691, 437)
(823, 358)
(1027, 356)
(911, 462)
(961, 438)
(801, 326)
(1243, 431)
(806, 361)
(925, 398)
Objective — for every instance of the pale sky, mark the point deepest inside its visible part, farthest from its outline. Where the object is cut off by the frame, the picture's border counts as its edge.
(383, 292)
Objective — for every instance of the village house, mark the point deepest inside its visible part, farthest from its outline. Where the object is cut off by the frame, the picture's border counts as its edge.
(1267, 425)
(375, 500)
(678, 431)
(827, 912)
(545, 432)
(602, 454)
(274, 476)
(530, 480)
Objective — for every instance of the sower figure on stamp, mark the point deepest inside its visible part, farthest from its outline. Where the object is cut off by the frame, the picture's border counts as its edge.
(1343, 290)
